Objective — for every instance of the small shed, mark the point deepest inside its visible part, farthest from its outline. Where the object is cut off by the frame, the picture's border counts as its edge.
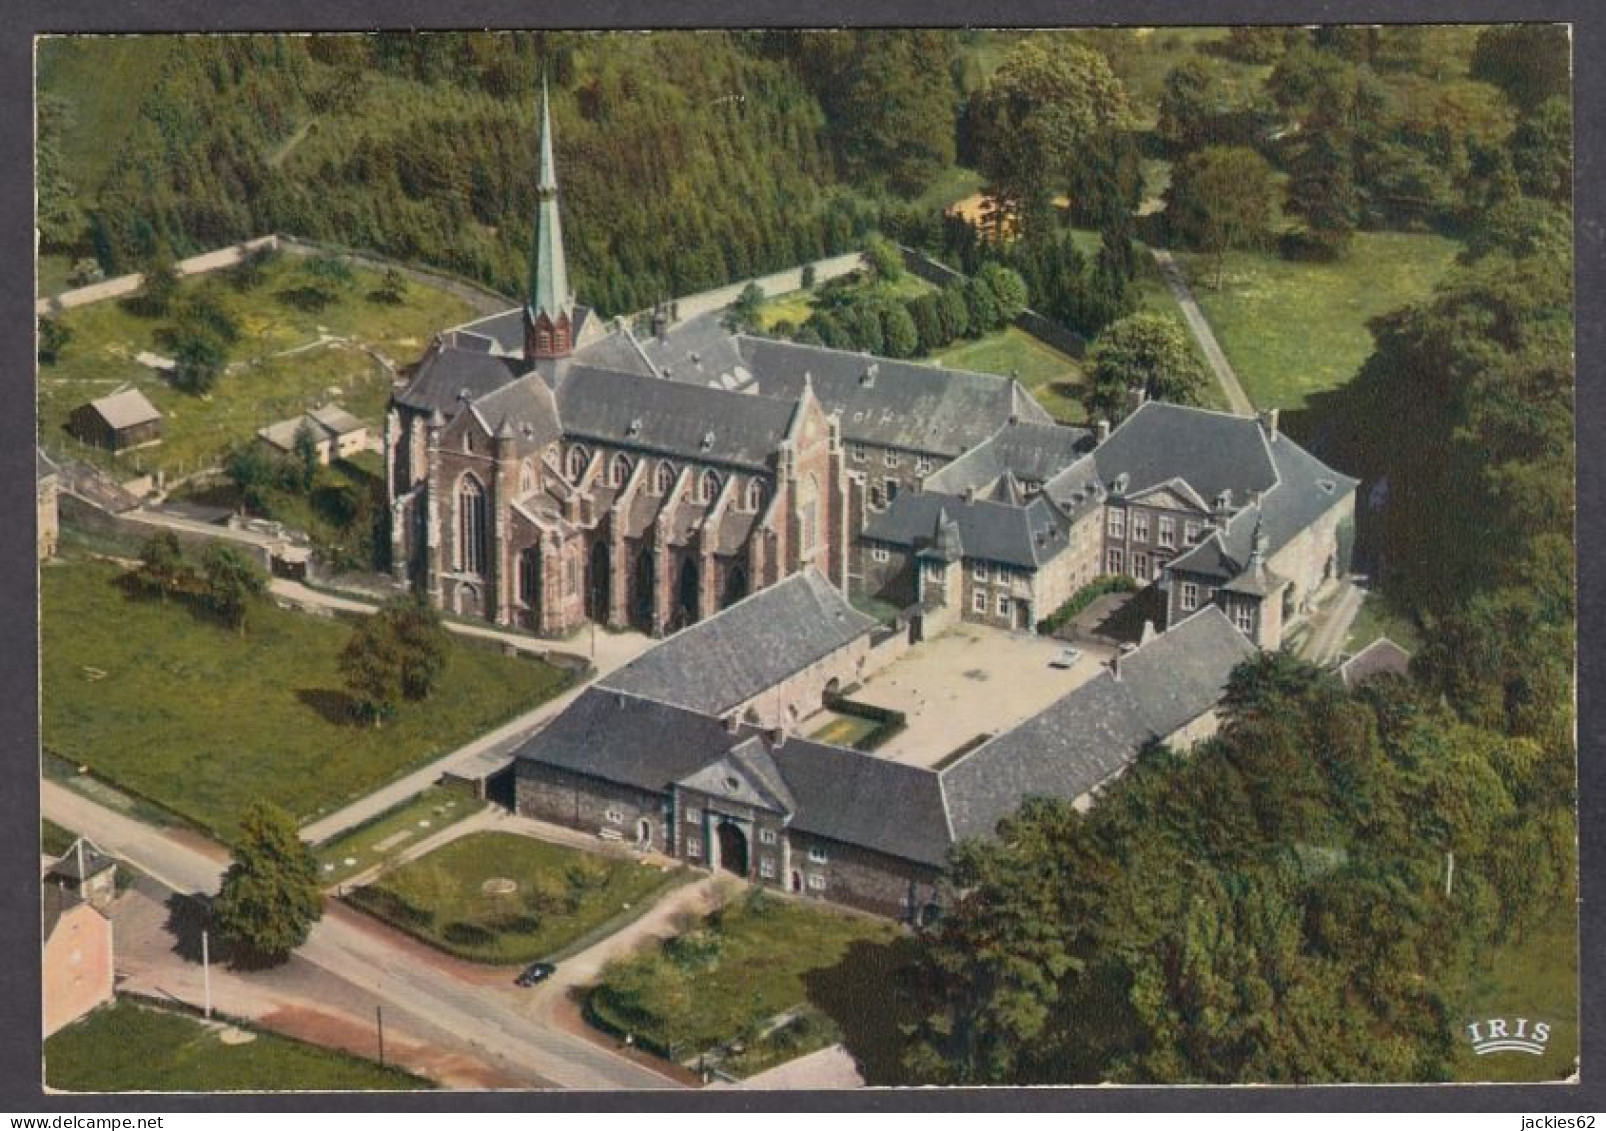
(121, 421)
(336, 434)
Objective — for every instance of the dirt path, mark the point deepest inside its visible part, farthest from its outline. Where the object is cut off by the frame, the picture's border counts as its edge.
(1237, 399)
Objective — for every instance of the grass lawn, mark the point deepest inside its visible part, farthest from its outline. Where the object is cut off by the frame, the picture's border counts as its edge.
(201, 720)
(845, 730)
(562, 896)
(53, 838)
(129, 1046)
(1054, 378)
(796, 306)
(1377, 617)
(781, 978)
(258, 388)
(394, 831)
(1292, 329)
(53, 271)
(1535, 977)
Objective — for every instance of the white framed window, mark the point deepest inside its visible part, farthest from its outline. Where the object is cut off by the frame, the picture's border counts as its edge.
(923, 465)
(1190, 596)
(859, 454)
(889, 458)
(934, 572)
(1193, 530)
(614, 816)
(766, 836)
(880, 554)
(755, 495)
(817, 855)
(1140, 526)
(1168, 532)
(1115, 562)
(693, 816)
(1244, 617)
(766, 869)
(978, 601)
(978, 571)
(816, 882)
(1116, 522)
(694, 847)
(1140, 565)
(1003, 605)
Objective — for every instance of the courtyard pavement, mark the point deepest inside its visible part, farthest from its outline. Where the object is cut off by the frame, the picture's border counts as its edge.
(969, 680)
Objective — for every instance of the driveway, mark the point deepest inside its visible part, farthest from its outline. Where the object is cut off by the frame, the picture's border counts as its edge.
(1237, 399)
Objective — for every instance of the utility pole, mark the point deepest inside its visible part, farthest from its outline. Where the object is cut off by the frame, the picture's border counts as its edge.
(1449, 872)
(206, 970)
(379, 1019)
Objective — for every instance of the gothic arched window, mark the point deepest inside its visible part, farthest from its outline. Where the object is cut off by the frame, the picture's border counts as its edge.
(664, 478)
(708, 487)
(530, 577)
(755, 494)
(526, 477)
(578, 458)
(471, 527)
(619, 470)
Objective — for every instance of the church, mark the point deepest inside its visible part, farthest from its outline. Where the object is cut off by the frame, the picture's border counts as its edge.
(547, 468)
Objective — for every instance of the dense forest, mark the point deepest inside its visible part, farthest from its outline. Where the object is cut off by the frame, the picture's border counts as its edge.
(1274, 906)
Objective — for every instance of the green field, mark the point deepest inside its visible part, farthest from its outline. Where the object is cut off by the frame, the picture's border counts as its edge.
(129, 1046)
(1054, 378)
(739, 972)
(562, 896)
(1293, 329)
(1536, 977)
(258, 388)
(397, 829)
(53, 838)
(202, 721)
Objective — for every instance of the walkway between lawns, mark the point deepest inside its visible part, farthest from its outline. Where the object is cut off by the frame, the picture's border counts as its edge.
(1237, 399)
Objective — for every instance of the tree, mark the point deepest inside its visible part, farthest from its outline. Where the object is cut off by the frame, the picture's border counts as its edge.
(306, 456)
(253, 472)
(1008, 289)
(884, 259)
(199, 358)
(1530, 62)
(371, 664)
(1219, 200)
(1037, 119)
(392, 289)
(1189, 100)
(420, 637)
(899, 336)
(1255, 44)
(233, 583)
(743, 313)
(159, 286)
(1542, 151)
(269, 899)
(955, 311)
(162, 569)
(54, 335)
(925, 311)
(985, 314)
(862, 321)
(1143, 351)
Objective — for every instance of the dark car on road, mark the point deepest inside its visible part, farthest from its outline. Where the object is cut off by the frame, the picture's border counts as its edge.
(535, 973)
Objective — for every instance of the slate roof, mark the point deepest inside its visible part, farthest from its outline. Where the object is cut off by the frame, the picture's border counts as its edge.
(858, 798)
(125, 409)
(95, 862)
(673, 419)
(447, 370)
(1211, 451)
(528, 407)
(1381, 657)
(327, 423)
(1088, 736)
(1030, 451)
(337, 420)
(720, 663)
(997, 532)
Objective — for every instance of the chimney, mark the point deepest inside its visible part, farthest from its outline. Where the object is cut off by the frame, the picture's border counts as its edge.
(1115, 660)
(1269, 421)
(869, 376)
(1103, 428)
(733, 723)
(1223, 506)
(777, 737)
(970, 494)
(1148, 631)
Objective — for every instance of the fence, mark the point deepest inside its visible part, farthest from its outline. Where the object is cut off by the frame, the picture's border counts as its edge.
(1028, 321)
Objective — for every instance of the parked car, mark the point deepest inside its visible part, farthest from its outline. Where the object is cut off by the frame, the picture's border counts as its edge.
(1066, 658)
(536, 973)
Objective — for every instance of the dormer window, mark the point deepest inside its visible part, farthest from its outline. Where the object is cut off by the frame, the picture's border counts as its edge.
(707, 487)
(619, 470)
(578, 459)
(664, 479)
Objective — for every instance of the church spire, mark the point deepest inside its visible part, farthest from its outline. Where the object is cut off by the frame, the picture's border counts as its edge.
(549, 307)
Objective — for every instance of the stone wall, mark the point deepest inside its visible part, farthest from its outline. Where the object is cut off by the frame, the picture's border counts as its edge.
(590, 805)
(859, 877)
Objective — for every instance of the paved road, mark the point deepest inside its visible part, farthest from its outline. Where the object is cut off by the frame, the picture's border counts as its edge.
(613, 650)
(372, 959)
(1172, 273)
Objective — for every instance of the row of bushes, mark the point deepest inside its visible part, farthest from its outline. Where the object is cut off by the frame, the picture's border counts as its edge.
(888, 721)
(1082, 598)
